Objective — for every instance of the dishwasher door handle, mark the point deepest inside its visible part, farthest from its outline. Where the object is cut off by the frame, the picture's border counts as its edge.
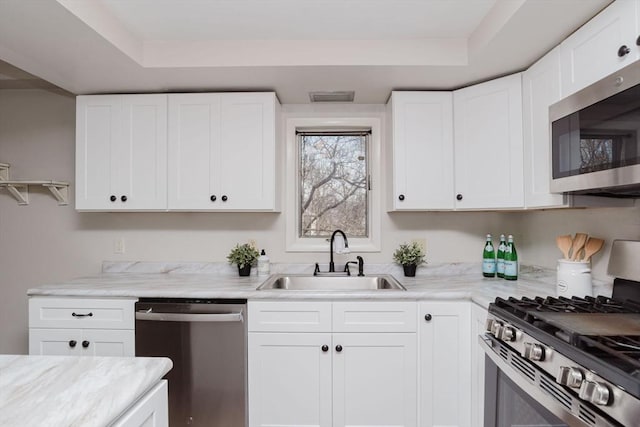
(189, 317)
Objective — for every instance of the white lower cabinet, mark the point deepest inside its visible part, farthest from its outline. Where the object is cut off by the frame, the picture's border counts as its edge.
(321, 378)
(445, 364)
(151, 410)
(478, 320)
(81, 326)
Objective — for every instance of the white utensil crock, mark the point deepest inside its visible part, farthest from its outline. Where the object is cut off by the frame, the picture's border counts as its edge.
(574, 278)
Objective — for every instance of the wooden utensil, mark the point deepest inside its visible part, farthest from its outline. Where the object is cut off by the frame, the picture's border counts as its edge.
(564, 244)
(592, 246)
(577, 245)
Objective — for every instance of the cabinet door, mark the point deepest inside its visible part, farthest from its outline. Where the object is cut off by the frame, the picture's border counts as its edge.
(121, 152)
(105, 342)
(247, 151)
(374, 379)
(140, 157)
(422, 148)
(541, 88)
(289, 379)
(55, 342)
(151, 410)
(445, 365)
(591, 53)
(98, 128)
(478, 320)
(488, 144)
(194, 151)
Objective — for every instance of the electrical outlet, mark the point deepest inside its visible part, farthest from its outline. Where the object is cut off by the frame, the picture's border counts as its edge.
(421, 242)
(118, 246)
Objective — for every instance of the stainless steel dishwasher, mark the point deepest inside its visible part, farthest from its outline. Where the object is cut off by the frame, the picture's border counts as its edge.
(207, 342)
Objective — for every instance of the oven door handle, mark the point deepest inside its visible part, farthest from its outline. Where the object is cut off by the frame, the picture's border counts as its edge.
(189, 317)
(531, 389)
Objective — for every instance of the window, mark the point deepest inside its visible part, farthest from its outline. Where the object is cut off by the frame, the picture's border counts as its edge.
(332, 176)
(333, 179)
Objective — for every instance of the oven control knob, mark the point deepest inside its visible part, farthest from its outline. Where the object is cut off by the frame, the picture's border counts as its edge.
(488, 325)
(508, 334)
(534, 352)
(571, 377)
(595, 392)
(496, 329)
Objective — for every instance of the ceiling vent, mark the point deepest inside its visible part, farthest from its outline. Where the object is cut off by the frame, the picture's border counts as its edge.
(343, 96)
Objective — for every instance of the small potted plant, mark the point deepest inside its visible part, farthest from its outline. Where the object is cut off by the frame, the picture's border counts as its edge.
(244, 256)
(409, 255)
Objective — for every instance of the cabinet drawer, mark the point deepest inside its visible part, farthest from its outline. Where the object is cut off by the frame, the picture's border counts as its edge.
(81, 313)
(150, 411)
(374, 316)
(294, 316)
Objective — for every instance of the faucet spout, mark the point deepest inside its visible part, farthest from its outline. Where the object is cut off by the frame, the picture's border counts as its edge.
(332, 266)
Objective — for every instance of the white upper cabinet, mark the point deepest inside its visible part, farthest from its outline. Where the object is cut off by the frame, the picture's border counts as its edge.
(422, 150)
(540, 89)
(222, 151)
(599, 47)
(488, 144)
(121, 152)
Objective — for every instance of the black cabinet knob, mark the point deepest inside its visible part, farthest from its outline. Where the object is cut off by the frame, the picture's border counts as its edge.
(72, 343)
(325, 348)
(85, 344)
(459, 197)
(113, 198)
(123, 198)
(213, 198)
(338, 348)
(224, 198)
(427, 317)
(401, 197)
(623, 51)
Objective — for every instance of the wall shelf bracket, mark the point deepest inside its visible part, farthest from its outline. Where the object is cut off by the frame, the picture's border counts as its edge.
(19, 189)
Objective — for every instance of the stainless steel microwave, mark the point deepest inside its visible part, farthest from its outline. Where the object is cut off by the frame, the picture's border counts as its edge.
(595, 138)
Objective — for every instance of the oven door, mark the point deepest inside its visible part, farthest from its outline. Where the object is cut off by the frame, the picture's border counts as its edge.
(517, 394)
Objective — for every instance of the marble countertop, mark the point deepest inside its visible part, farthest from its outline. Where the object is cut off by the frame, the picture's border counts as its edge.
(451, 281)
(73, 391)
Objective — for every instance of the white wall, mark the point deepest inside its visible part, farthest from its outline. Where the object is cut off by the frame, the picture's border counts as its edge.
(44, 243)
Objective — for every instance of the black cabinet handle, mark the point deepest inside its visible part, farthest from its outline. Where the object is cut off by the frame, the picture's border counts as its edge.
(113, 198)
(459, 197)
(213, 198)
(401, 197)
(72, 343)
(85, 344)
(638, 41)
(623, 51)
(224, 198)
(427, 317)
(338, 348)
(74, 314)
(123, 198)
(325, 348)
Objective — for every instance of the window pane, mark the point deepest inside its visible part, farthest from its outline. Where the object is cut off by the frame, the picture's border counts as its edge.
(333, 185)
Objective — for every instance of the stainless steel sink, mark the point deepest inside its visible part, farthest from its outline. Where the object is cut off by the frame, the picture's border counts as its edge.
(293, 282)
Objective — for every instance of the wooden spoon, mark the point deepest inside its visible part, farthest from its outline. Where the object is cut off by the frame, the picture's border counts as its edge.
(578, 244)
(592, 246)
(564, 244)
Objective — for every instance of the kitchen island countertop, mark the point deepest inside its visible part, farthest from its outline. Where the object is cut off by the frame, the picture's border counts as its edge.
(73, 391)
(453, 281)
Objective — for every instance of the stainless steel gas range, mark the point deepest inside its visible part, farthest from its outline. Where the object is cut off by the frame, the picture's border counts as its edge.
(560, 361)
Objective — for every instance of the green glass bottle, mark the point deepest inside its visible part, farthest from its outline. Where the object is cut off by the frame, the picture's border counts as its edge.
(489, 259)
(510, 260)
(500, 259)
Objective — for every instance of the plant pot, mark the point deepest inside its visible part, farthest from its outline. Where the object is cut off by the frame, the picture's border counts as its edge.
(245, 270)
(410, 270)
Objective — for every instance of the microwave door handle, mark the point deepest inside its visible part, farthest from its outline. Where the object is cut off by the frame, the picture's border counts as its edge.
(189, 317)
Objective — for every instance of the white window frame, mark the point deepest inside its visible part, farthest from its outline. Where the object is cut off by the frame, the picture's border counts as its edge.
(295, 243)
